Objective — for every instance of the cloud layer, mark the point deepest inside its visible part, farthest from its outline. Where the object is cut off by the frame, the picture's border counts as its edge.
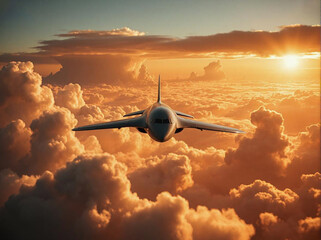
(119, 184)
(289, 39)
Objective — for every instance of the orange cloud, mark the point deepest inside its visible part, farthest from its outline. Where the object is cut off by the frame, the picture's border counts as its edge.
(10, 183)
(103, 206)
(209, 224)
(211, 72)
(70, 96)
(307, 155)
(308, 224)
(259, 157)
(15, 143)
(98, 69)
(289, 39)
(264, 185)
(172, 174)
(268, 219)
(52, 142)
(125, 31)
(22, 95)
(263, 196)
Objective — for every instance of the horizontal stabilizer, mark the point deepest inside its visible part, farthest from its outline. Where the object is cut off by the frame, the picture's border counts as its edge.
(134, 113)
(183, 114)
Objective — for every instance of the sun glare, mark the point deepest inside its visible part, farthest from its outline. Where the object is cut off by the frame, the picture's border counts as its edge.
(290, 61)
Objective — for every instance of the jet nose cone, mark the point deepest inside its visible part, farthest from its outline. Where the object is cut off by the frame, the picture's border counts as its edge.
(162, 138)
(161, 133)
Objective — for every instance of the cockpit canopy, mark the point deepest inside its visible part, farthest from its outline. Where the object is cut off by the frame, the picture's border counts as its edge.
(162, 121)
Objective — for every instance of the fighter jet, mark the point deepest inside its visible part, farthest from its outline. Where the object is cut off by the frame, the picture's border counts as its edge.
(159, 121)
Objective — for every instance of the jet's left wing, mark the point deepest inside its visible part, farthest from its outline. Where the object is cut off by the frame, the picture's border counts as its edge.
(189, 123)
(183, 114)
(138, 122)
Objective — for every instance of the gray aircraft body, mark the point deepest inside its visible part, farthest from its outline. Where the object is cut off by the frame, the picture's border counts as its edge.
(159, 121)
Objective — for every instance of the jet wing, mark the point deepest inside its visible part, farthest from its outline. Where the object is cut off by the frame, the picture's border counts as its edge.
(134, 113)
(131, 122)
(183, 114)
(189, 123)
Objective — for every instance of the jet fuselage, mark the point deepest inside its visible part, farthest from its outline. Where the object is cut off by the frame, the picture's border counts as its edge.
(161, 122)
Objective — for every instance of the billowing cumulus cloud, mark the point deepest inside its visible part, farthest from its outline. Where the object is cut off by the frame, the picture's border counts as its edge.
(210, 224)
(172, 174)
(70, 96)
(261, 156)
(144, 77)
(310, 194)
(212, 71)
(52, 142)
(164, 219)
(36, 135)
(306, 157)
(97, 69)
(310, 227)
(272, 227)
(261, 196)
(15, 143)
(22, 95)
(102, 206)
(94, 187)
(268, 219)
(10, 183)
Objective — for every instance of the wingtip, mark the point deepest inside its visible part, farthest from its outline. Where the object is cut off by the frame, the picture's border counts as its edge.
(240, 131)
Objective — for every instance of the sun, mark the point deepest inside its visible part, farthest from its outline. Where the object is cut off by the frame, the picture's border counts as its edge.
(290, 61)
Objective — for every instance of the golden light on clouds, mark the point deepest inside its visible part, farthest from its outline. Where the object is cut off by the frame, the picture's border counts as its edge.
(94, 183)
(276, 164)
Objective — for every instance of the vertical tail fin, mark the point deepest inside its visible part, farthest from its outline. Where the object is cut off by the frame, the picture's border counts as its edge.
(159, 90)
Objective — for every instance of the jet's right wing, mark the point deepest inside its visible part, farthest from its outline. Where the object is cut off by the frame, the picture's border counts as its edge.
(189, 123)
(138, 122)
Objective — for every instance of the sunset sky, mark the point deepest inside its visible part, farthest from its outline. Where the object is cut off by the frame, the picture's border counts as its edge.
(251, 65)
